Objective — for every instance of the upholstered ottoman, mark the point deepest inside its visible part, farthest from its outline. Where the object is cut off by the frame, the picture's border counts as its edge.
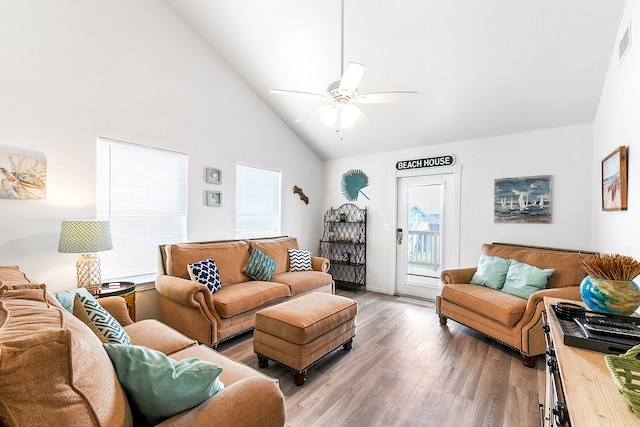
(299, 332)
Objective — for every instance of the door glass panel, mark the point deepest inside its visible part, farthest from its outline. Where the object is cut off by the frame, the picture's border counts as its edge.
(424, 225)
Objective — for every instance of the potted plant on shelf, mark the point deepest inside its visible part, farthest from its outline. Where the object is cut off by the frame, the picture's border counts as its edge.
(609, 286)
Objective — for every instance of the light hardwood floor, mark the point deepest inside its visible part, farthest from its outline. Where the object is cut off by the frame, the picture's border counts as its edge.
(405, 369)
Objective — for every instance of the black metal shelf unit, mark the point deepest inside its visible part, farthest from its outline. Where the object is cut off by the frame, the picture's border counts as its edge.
(343, 242)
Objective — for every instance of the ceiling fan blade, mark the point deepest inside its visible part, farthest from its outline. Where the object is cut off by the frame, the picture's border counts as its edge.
(361, 118)
(351, 77)
(296, 93)
(315, 112)
(384, 97)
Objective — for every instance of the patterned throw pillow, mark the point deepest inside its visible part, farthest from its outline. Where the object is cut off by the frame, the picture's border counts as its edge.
(260, 266)
(206, 272)
(106, 324)
(299, 260)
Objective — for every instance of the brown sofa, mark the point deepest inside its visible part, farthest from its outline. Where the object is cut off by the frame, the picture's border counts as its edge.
(512, 320)
(54, 371)
(192, 309)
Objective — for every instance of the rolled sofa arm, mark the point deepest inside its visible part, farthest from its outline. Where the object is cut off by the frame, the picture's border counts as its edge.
(571, 293)
(179, 290)
(320, 264)
(457, 275)
(253, 401)
(117, 307)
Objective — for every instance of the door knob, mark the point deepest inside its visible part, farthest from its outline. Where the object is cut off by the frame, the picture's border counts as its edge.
(399, 236)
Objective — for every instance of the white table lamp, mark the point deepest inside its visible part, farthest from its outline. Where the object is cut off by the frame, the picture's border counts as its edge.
(86, 238)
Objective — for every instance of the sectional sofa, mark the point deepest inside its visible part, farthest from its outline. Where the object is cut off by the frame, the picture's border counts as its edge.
(54, 370)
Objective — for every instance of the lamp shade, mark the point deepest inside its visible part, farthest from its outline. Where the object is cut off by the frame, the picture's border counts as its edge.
(85, 237)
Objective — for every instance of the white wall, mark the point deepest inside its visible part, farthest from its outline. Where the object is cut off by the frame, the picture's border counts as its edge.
(564, 153)
(617, 124)
(130, 70)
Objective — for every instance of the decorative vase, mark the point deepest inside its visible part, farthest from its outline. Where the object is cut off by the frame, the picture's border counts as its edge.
(610, 296)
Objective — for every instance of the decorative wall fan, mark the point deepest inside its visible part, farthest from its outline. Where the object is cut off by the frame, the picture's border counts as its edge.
(343, 94)
(353, 181)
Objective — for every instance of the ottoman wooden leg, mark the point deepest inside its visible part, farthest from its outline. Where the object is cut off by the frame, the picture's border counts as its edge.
(263, 362)
(300, 378)
(348, 345)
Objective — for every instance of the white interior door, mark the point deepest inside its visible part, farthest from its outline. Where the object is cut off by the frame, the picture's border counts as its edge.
(427, 232)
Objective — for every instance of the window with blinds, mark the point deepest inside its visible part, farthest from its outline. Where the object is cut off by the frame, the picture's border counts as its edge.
(257, 202)
(143, 192)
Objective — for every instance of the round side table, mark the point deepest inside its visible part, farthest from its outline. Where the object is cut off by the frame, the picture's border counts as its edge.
(126, 290)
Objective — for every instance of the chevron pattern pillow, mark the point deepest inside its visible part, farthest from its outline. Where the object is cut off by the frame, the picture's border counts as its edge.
(299, 260)
(104, 322)
(260, 266)
(207, 273)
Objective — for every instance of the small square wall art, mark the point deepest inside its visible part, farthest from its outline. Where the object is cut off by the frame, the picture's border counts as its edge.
(214, 198)
(22, 176)
(522, 200)
(213, 176)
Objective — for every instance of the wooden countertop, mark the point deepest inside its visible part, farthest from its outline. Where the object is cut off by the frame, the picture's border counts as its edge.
(590, 392)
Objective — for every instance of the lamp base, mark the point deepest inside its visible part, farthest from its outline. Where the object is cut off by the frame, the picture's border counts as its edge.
(88, 271)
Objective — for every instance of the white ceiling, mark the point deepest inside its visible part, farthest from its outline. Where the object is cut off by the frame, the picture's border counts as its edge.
(482, 67)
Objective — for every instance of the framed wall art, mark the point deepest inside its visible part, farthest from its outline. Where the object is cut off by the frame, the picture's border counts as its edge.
(213, 176)
(614, 180)
(22, 175)
(214, 198)
(522, 200)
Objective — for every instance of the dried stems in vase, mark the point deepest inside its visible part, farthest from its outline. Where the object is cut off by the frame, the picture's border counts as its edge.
(611, 267)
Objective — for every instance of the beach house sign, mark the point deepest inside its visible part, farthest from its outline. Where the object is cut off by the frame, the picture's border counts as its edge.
(429, 162)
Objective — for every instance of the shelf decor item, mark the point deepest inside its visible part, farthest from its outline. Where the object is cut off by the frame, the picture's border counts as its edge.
(609, 286)
(86, 238)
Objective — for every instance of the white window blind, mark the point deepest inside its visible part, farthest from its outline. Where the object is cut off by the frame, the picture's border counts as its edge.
(257, 202)
(143, 192)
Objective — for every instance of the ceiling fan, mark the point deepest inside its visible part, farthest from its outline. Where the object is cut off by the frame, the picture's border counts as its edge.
(343, 94)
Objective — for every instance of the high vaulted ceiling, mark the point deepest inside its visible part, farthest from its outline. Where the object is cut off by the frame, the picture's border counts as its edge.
(482, 67)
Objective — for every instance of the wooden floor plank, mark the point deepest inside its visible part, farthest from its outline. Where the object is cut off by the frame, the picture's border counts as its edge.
(405, 369)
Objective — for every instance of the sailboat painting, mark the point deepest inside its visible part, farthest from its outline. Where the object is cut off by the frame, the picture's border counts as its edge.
(522, 200)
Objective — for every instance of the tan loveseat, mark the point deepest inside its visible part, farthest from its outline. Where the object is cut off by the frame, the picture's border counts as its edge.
(55, 372)
(512, 320)
(192, 309)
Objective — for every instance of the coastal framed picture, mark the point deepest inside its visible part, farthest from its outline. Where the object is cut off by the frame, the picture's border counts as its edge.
(213, 176)
(524, 199)
(214, 198)
(614, 180)
(22, 176)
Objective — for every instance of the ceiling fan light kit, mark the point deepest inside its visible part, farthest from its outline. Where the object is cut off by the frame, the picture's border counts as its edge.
(342, 113)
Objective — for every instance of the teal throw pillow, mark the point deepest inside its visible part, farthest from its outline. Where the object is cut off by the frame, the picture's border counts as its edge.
(66, 298)
(491, 272)
(260, 266)
(159, 386)
(524, 279)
